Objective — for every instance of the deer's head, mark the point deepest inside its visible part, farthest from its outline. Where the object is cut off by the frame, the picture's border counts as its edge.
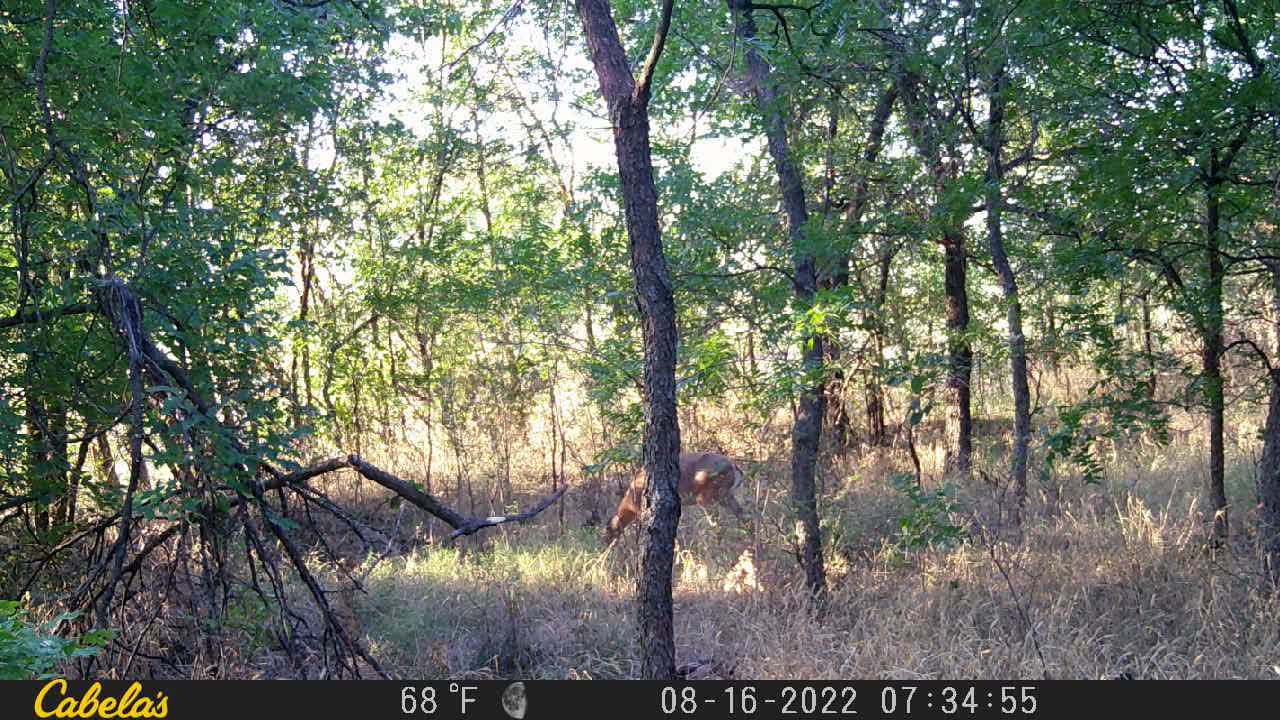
(705, 478)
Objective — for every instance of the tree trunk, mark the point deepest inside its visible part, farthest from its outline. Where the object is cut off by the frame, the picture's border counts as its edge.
(37, 421)
(833, 391)
(960, 354)
(1009, 287)
(1269, 469)
(628, 103)
(1269, 487)
(46, 421)
(1211, 354)
(806, 434)
(834, 382)
(59, 462)
(875, 319)
(1148, 346)
(877, 430)
(955, 265)
(67, 508)
(106, 461)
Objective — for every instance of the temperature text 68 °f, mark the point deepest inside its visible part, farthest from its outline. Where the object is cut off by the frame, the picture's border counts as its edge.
(429, 699)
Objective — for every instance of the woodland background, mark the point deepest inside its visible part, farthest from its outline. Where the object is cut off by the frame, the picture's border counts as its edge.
(983, 297)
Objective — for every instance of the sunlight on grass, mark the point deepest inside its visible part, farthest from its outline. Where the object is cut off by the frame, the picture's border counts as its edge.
(1106, 578)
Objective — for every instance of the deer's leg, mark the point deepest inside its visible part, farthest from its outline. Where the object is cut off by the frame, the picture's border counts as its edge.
(706, 510)
(729, 501)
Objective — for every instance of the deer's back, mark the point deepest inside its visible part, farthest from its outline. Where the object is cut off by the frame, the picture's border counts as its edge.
(704, 476)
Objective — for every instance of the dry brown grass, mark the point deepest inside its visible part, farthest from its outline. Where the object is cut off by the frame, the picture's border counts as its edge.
(1105, 579)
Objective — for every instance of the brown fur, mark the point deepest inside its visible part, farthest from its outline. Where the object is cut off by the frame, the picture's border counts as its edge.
(705, 477)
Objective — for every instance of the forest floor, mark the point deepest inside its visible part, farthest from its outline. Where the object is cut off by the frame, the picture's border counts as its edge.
(1107, 579)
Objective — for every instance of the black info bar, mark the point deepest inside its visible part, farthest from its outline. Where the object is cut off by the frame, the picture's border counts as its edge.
(621, 700)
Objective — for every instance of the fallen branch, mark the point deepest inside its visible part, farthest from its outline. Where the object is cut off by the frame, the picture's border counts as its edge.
(301, 476)
(423, 500)
(461, 524)
(152, 544)
(478, 524)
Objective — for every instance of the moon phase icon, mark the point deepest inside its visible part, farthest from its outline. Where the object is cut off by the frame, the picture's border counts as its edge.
(514, 700)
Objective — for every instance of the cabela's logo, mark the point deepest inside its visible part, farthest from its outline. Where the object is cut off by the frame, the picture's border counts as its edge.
(53, 702)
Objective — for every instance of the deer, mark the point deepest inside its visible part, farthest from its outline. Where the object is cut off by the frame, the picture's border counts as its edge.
(706, 477)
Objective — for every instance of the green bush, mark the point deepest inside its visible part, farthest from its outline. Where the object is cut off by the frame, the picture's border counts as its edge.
(33, 652)
(927, 522)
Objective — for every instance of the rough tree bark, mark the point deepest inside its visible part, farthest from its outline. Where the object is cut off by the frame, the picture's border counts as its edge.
(806, 433)
(959, 352)
(1009, 287)
(628, 102)
(1211, 349)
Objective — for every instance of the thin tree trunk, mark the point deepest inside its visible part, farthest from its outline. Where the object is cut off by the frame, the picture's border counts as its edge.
(955, 267)
(1211, 326)
(1269, 487)
(306, 263)
(628, 102)
(1009, 287)
(806, 434)
(67, 509)
(557, 442)
(106, 461)
(873, 392)
(876, 427)
(1211, 354)
(1269, 469)
(1052, 343)
(833, 384)
(59, 461)
(558, 422)
(39, 445)
(960, 353)
(1148, 347)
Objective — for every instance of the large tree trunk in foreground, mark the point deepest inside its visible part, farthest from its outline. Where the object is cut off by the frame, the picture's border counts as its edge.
(628, 102)
(806, 434)
(1009, 287)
